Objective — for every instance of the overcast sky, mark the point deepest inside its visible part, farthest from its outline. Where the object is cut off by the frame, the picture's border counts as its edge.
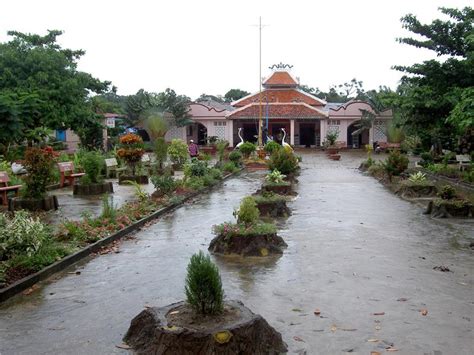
(206, 46)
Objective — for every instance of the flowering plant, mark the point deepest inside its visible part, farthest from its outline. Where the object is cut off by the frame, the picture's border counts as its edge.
(131, 150)
(39, 163)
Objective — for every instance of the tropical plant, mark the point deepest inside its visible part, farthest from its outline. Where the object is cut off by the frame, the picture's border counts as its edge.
(229, 167)
(275, 177)
(195, 168)
(165, 184)
(39, 162)
(92, 162)
(284, 161)
(395, 164)
(417, 177)
(140, 193)
(178, 152)
(22, 234)
(395, 134)
(203, 288)
(447, 192)
(131, 150)
(412, 143)
(109, 211)
(156, 124)
(271, 146)
(221, 146)
(332, 135)
(247, 148)
(161, 151)
(248, 212)
(235, 157)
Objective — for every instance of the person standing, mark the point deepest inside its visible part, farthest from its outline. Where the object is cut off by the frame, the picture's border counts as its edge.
(193, 149)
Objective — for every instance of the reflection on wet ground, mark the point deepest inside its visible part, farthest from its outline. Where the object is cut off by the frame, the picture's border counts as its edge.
(354, 249)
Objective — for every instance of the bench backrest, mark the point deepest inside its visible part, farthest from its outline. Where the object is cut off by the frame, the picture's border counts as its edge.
(4, 178)
(66, 166)
(111, 162)
(463, 158)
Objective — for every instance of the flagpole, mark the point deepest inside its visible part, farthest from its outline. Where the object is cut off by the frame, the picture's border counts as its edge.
(260, 84)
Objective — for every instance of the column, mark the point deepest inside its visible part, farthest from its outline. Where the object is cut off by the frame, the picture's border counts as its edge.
(230, 132)
(292, 132)
(322, 130)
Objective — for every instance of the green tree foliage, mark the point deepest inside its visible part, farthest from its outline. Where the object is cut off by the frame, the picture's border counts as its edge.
(207, 97)
(248, 212)
(235, 94)
(430, 91)
(204, 286)
(41, 86)
(352, 89)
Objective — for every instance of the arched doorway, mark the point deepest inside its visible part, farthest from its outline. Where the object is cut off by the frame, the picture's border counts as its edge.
(201, 134)
(356, 140)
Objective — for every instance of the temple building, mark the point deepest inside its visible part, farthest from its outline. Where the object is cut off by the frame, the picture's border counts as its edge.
(289, 113)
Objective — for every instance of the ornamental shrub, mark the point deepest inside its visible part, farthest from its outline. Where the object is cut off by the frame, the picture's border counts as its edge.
(447, 192)
(215, 173)
(284, 161)
(247, 148)
(178, 152)
(275, 177)
(221, 146)
(39, 162)
(131, 150)
(229, 167)
(332, 135)
(248, 212)
(195, 168)
(92, 163)
(21, 235)
(235, 157)
(204, 286)
(161, 151)
(165, 183)
(271, 146)
(396, 163)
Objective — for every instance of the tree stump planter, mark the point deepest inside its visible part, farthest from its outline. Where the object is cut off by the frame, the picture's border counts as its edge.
(450, 208)
(93, 189)
(335, 157)
(248, 245)
(275, 208)
(139, 179)
(47, 203)
(414, 191)
(177, 329)
(332, 150)
(283, 189)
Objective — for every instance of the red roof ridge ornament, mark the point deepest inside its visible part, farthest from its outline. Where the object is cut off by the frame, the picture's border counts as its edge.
(280, 78)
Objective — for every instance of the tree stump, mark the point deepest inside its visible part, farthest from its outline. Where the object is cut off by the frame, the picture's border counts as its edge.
(43, 204)
(248, 245)
(93, 189)
(177, 329)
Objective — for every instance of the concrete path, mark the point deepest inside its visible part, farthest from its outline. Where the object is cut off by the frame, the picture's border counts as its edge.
(354, 250)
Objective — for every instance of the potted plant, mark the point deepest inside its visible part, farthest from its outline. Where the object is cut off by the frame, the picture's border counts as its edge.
(39, 163)
(131, 150)
(275, 182)
(204, 323)
(178, 153)
(92, 182)
(211, 145)
(331, 138)
(247, 148)
(449, 204)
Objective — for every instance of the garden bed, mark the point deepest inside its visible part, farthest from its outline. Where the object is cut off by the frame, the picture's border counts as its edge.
(272, 205)
(177, 329)
(93, 189)
(283, 188)
(455, 208)
(47, 203)
(139, 179)
(105, 237)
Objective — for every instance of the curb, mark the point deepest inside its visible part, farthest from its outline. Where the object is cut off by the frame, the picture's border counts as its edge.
(60, 265)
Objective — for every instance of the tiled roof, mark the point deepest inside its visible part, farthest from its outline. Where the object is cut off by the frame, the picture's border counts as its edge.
(278, 110)
(280, 95)
(280, 79)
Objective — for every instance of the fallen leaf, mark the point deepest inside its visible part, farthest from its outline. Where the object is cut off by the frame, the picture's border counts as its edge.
(333, 328)
(391, 349)
(317, 312)
(424, 312)
(374, 353)
(123, 346)
(379, 314)
(402, 299)
(373, 340)
(296, 310)
(298, 339)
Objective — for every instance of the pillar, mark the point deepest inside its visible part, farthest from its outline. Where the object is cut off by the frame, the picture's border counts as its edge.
(230, 132)
(292, 132)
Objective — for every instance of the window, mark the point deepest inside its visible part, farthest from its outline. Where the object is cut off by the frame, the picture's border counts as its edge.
(334, 122)
(61, 135)
(220, 123)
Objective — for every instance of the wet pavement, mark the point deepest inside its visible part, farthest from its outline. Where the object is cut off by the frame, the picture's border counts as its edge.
(354, 249)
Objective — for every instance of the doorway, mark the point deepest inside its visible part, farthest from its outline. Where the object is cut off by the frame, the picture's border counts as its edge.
(250, 133)
(201, 134)
(358, 140)
(307, 136)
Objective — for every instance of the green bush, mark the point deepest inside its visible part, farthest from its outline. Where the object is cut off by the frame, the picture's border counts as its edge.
(178, 152)
(248, 212)
(396, 163)
(418, 177)
(195, 183)
(229, 167)
(275, 177)
(21, 235)
(247, 148)
(161, 151)
(204, 286)
(284, 161)
(5, 166)
(165, 183)
(208, 180)
(426, 159)
(447, 192)
(231, 230)
(108, 208)
(331, 136)
(215, 173)
(376, 170)
(195, 168)
(235, 157)
(221, 146)
(92, 162)
(271, 146)
(39, 162)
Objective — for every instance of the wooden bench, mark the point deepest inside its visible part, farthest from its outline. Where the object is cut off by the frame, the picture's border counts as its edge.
(149, 162)
(111, 165)
(386, 146)
(66, 171)
(464, 161)
(5, 188)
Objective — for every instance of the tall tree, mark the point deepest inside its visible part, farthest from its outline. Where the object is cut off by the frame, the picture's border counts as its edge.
(430, 91)
(235, 94)
(40, 86)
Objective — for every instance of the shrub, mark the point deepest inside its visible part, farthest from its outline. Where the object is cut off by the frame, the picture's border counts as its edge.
(195, 183)
(248, 212)
(221, 146)
(418, 177)
(178, 152)
(204, 286)
(40, 164)
(271, 146)
(5, 166)
(396, 163)
(247, 148)
(376, 170)
(395, 134)
(235, 157)
(108, 209)
(229, 167)
(426, 159)
(195, 168)
(161, 151)
(275, 177)
(131, 150)
(21, 235)
(92, 163)
(332, 135)
(165, 183)
(215, 173)
(283, 161)
(231, 230)
(208, 180)
(447, 192)
(412, 144)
